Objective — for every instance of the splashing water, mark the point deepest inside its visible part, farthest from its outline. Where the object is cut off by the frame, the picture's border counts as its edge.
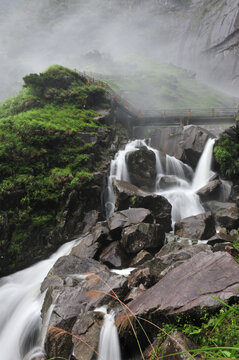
(22, 335)
(182, 194)
(109, 348)
(203, 171)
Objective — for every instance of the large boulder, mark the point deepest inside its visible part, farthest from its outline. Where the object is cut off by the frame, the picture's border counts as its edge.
(211, 191)
(114, 256)
(200, 227)
(128, 195)
(92, 242)
(124, 218)
(86, 331)
(215, 206)
(173, 348)
(228, 218)
(141, 166)
(142, 236)
(185, 143)
(216, 274)
(175, 252)
(76, 286)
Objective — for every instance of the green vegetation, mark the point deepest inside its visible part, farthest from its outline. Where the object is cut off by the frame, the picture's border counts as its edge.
(43, 155)
(165, 86)
(215, 335)
(226, 153)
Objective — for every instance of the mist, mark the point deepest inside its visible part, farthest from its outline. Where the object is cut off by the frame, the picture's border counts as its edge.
(100, 36)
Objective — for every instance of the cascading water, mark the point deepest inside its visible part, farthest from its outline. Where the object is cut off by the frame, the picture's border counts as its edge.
(119, 171)
(109, 347)
(203, 172)
(21, 332)
(182, 193)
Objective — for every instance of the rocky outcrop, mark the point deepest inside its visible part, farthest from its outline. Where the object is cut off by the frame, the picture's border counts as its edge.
(211, 191)
(77, 286)
(199, 227)
(185, 143)
(128, 195)
(173, 348)
(228, 218)
(141, 237)
(214, 273)
(141, 166)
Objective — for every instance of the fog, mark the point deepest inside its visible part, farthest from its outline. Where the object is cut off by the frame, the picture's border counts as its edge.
(97, 35)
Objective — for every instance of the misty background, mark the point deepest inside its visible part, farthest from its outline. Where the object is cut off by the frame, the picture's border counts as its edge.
(112, 37)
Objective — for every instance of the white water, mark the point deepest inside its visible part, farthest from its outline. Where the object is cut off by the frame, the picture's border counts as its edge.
(109, 347)
(182, 195)
(119, 171)
(21, 332)
(203, 172)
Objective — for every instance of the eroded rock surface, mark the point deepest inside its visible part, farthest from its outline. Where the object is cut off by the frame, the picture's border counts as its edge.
(199, 227)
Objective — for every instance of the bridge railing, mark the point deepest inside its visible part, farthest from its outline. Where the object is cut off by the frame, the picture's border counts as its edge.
(96, 79)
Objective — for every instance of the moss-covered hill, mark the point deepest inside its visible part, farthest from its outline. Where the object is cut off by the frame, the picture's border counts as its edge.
(49, 146)
(159, 86)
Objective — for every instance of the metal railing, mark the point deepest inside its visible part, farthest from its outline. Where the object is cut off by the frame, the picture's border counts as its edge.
(190, 112)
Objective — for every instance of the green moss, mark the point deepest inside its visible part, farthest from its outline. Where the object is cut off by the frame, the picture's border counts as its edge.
(43, 155)
(226, 153)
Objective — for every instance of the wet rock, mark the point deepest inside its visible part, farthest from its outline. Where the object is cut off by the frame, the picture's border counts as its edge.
(124, 218)
(92, 242)
(167, 182)
(177, 343)
(220, 238)
(211, 191)
(214, 273)
(142, 236)
(140, 258)
(92, 288)
(134, 293)
(185, 143)
(141, 276)
(142, 168)
(87, 328)
(215, 206)
(90, 220)
(173, 253)
(228, 247)
(114, 256)
(228, 218)
(128, 195)
(200, 227)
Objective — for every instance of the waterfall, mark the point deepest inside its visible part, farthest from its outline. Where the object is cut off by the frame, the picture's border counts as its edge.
(119, 171)
(109, 348)
(182, 192)
(21, 333)
(203, 171)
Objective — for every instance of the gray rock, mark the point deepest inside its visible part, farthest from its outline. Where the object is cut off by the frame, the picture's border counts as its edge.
(142, 168)
(87, 328)
(199, 227)
(140, 258)
(213, 273)
(128, 195)
(228, 218)
(142, 236)
(114, 256)
(220, 238)
(211, 191)
(189, 150)
(92, 242)
(179, 252)
(124, 218)
(215, 206)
